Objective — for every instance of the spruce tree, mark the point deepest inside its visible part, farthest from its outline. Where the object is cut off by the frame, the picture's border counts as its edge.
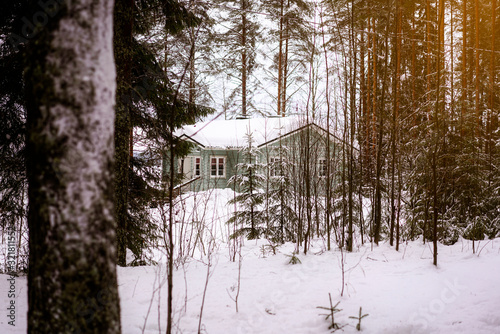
(248, 182)
(280, 213)
(148, 98)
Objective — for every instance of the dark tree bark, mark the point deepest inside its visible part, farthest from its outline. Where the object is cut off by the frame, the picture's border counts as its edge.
(352, 122)
(70, 88)
(437, 132)
(123, 24)
(464, 68)
(492, 91)
(395, 120)
(380, 160)
(476, 70)
(328, 194)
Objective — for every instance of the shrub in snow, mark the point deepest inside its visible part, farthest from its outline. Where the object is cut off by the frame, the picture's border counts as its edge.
(359, 317)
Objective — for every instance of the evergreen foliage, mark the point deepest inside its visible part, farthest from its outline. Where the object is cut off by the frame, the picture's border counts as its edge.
(238, 43)
(147, 99)
(293, 259)
(332, 310)
(250, 198)
(280, 214)
(359, 317)
(13, 180)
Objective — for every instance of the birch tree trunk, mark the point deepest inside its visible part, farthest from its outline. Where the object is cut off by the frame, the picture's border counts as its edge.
(70, 77)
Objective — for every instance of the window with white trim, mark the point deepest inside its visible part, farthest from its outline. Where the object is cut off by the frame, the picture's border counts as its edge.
(217, 167)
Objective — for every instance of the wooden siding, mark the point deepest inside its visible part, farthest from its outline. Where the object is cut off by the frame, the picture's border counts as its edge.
(233, 156)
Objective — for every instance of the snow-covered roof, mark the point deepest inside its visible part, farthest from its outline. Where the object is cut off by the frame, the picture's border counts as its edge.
(232, 133)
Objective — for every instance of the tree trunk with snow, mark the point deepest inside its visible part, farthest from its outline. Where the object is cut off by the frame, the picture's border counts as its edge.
(70, 82)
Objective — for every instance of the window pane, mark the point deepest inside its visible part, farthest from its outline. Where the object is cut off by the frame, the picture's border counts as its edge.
(217, 166)
(181, 166)
(221, 166)
(213, 167)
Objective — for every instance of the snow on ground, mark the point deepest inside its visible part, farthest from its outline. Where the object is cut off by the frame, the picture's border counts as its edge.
(402, 292)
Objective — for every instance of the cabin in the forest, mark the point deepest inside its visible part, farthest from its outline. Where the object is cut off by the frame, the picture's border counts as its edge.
(282, 144)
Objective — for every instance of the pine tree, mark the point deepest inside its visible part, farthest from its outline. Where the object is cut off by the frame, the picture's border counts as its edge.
(289, 36)
(238, 45)
(193, 45)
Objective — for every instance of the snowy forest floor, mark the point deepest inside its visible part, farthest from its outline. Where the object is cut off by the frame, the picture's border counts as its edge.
(402, 292)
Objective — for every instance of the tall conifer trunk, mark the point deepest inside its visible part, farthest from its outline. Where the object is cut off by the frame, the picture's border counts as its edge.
(381, 115)
(437, 130)
(463, 111)
(328, 143)
(123, 24)
(244, 61)
(476, 66)
(492, 82)
(394, 121)
(352, 120)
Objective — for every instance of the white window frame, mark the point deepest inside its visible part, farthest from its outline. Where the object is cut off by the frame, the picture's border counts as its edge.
(217, 166)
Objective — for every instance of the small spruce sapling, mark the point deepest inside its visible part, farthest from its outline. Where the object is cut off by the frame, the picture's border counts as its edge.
(332, 309)
(272, 248)
(268, 249)
(249, 183)
(361, 316)
(293, 259)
